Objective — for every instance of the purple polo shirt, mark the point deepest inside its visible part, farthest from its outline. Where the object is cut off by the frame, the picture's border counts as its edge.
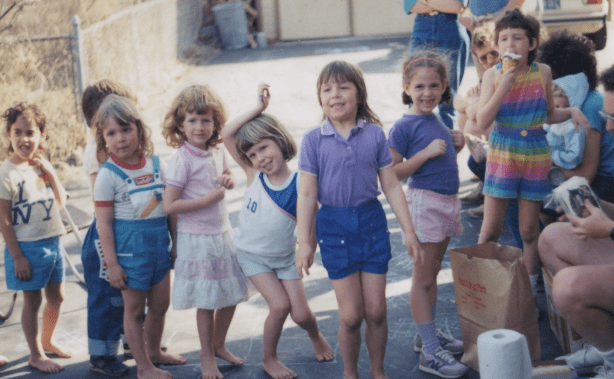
(346, 169)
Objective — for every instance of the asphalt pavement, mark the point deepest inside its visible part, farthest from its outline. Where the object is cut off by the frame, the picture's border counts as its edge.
(291, 69)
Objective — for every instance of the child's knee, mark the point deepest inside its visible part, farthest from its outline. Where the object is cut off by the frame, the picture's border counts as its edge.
(54, 298)
(376, 315)
(303, 317)
(280, 310)
(529, 233)
(32, 300)
(352, 322)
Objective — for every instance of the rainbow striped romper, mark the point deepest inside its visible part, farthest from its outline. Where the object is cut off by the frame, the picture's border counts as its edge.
(519, 157)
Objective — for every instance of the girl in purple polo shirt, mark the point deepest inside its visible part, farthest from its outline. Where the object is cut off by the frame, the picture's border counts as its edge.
(207, 273)
(340, 163)
(424, 150)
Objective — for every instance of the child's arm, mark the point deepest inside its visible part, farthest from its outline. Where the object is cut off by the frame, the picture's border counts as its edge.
(58, 189)
(306, 207)
(23, 269)
(104, 221)
(172, 204)
(394, 194)
(458, 140)
(492, 97)
(404, 170)
(172, 228)
(229, 132)
(558, 115)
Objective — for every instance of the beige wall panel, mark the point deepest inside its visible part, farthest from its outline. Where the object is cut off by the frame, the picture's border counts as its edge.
(300, 19)
(380, 18)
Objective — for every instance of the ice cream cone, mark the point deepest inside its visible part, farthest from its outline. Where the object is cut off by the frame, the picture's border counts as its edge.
(507, 64)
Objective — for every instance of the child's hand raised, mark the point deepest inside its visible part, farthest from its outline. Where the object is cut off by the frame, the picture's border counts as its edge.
(226, 181)
(42, 163)
(264, 95)
(435, 148)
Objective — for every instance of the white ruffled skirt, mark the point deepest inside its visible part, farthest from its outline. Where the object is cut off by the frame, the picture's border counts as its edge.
(207, 273)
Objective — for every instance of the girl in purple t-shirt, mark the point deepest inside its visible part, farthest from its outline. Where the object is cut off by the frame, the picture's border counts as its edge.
(207, 273)
(424, 150)
(340, 163)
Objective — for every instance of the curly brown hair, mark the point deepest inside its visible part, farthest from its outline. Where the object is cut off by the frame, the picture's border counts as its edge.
(198, 99)
(33, 114)
(97, 92)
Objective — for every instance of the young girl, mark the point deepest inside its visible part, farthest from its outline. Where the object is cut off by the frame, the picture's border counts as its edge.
(265, 239)
(31, 197)
(207, 274)
(340, 163)
(133, 229)
(520, 102)
(429, 150)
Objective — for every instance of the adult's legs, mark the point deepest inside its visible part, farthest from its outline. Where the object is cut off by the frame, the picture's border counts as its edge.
(584, 297)
(560, 248)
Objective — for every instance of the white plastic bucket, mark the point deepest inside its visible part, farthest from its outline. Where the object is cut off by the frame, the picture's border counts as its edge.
(232, 24)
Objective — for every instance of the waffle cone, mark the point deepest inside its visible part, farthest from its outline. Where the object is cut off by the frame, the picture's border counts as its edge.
(507, 64)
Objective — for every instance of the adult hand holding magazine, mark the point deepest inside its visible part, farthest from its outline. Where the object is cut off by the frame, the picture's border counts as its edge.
(571, 196)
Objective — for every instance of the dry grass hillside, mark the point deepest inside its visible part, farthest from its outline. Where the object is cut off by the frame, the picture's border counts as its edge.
(41, 71)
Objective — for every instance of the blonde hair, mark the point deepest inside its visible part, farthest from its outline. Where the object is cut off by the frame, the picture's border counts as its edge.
(198, 99)
(557, 91)
(341, 72)
(124, 112)
(260, 128)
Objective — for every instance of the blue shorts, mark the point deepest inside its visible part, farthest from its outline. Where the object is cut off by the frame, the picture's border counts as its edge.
(353, 239)
(46, 260)
(143, 251)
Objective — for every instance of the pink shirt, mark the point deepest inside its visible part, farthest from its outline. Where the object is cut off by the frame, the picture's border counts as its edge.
(195, 172)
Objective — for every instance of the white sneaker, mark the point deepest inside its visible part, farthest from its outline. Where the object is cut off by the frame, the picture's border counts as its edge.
(584, 360)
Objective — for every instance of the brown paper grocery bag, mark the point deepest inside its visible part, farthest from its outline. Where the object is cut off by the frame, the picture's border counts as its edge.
(493, 292)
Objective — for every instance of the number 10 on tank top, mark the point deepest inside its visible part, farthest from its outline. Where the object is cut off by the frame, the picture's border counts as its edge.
(252, 205)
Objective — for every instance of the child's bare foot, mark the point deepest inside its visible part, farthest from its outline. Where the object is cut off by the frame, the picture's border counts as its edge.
(379, 374)
(323, 350)
(59, 350)
(3, 360)
(226, 355)
(277, 370)
(208, 367)
(153, 373)
(164, 358)
(45, 365)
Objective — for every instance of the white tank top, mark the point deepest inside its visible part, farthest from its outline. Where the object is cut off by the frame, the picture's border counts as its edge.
(264, 227)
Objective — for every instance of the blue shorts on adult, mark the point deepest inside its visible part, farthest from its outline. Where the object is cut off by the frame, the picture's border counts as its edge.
(353, 239)
(142, 248)
(46, 261)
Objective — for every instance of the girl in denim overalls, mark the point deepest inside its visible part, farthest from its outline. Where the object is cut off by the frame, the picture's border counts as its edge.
(133, 229)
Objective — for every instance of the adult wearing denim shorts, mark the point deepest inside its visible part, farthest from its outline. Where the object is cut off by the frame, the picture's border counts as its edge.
(437, 26)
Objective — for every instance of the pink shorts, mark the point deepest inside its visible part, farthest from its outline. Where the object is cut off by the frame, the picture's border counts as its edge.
(435, 216)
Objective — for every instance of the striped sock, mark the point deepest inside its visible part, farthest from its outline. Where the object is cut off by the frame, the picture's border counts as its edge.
(430, 343)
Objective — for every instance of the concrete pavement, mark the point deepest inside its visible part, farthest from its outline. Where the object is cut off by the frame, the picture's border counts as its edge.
(291, 69)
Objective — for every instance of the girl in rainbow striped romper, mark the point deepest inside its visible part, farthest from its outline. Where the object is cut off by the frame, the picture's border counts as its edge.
(520, 101)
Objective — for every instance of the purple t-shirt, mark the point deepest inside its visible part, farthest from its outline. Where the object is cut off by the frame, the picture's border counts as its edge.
(410, 135)
(346, 169)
